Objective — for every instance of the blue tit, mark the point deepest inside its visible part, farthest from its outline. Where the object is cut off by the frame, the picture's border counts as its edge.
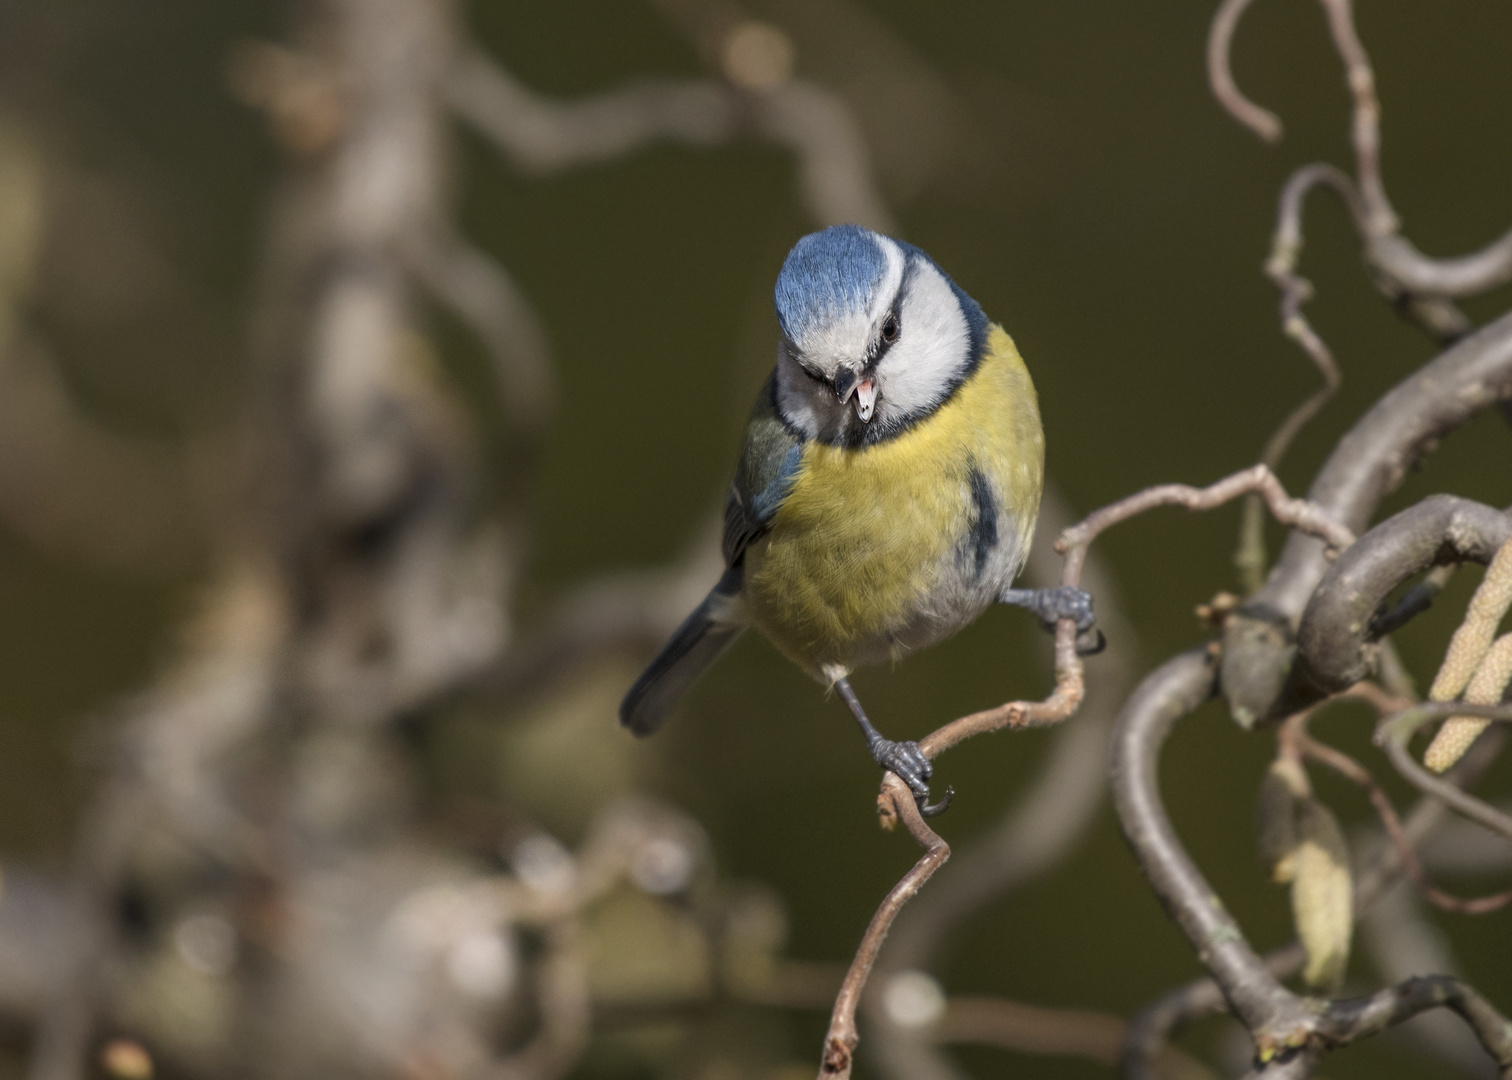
(888, 487)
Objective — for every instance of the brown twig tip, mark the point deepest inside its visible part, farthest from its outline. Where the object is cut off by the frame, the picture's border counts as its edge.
(1262, 122)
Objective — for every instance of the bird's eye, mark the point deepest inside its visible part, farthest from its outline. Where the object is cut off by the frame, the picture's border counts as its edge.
(890, 329)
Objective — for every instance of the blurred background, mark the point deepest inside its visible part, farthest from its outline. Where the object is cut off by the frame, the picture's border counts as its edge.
(371, 374)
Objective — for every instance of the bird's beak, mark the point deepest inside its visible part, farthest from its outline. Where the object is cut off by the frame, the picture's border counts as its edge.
(866, 399)
(862, 391)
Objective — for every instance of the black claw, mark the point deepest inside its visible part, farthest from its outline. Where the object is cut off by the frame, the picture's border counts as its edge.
(1090, 644)
(929, 809)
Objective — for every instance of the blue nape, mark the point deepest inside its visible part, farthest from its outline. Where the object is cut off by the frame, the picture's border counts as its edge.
(826, 273)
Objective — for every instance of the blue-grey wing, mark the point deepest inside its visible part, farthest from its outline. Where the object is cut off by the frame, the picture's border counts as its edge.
(768, 467)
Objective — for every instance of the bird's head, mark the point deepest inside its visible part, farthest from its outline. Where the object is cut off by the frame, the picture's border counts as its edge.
(874, 335)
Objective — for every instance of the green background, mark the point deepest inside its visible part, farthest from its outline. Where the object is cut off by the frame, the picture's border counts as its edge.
(1087, 191)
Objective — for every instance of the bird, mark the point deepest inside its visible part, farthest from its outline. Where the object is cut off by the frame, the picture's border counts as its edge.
(887, 490)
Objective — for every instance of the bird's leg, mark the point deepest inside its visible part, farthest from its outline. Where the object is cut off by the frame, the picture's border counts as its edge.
(903, 758)
(1061, 602)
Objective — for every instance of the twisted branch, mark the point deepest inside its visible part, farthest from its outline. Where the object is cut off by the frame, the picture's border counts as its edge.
(895, 802)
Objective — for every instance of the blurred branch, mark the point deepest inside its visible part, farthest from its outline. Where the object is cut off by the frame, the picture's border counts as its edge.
(479, 290)
(1276, 1018)
(1029, 1029)
(1423, 284)
(1347, 1021)
(1220, 41)
(1365, 132)
(1402, 939)
(68, 484)
(538, 134)
(541, 135)
(635, 609)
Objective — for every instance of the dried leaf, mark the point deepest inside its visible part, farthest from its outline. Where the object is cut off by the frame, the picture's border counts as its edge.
(1281, 788)
(1322, 895)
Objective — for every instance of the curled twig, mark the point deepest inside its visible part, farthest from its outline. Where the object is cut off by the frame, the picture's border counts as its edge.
(1296, 290)
(1281, 268)
(1073, 544)
(1365, 131)
(1298, 513)
(545, 135)
(895, 801)
(1338, 629)
(1220, 41)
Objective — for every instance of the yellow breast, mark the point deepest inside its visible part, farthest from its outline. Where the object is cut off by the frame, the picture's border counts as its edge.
(860, 548)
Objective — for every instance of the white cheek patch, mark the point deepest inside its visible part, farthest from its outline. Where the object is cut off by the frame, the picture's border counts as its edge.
(933, 349)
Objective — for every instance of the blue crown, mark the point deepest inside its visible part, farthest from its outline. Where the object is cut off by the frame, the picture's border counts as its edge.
(825, 274)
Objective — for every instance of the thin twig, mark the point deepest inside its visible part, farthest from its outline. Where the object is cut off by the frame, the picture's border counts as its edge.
(895, 802)
(1300, 514)
(1220, 41)
(1365, 131)
(1393, 733)
(1352, 770)
(1296, 290)
(1281, 268)
(1073, 544)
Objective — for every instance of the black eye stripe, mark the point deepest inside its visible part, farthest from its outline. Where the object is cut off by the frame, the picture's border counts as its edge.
(894, 318)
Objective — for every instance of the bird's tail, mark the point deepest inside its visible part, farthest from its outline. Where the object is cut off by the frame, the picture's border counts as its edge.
(698, 642)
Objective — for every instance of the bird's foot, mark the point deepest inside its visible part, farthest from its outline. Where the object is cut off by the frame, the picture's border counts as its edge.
(907, 760)
(1061, 602)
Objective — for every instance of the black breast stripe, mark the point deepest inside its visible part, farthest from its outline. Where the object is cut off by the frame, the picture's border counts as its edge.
(984, 532)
